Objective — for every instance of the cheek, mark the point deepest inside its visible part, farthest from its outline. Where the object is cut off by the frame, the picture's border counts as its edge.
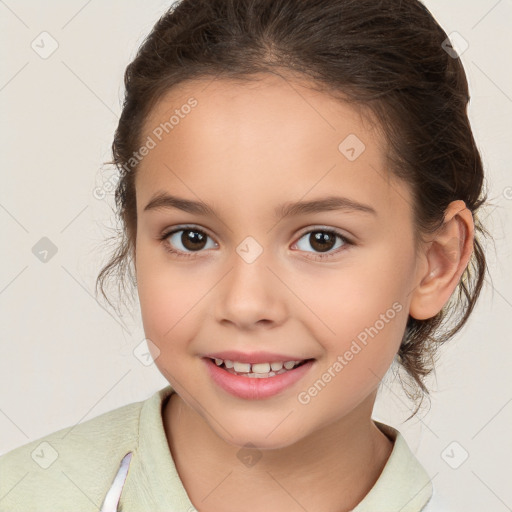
(167, 296)
(366, 336)
(367, 333)
(353, 299)
(361, 313)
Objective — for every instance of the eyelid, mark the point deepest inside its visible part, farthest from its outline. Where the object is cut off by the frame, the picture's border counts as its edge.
(319, 227)
(181, 227)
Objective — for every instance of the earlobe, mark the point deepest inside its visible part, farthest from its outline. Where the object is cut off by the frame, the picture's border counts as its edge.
(447, 256)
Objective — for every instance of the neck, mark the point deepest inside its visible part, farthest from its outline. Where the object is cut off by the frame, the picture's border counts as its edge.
(329, 470)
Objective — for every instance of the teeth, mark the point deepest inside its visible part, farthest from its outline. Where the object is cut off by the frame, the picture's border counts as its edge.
(261, 368)
(258, 370)
(242, 367)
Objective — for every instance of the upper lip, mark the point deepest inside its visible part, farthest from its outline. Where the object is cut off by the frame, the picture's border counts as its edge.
(253, 357)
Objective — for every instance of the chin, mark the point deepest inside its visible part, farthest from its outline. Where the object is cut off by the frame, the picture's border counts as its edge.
(270, 436)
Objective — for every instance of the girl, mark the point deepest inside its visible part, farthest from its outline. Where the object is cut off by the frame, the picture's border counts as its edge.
(299, 190)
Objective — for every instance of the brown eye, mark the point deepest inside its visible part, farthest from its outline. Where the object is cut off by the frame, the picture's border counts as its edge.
(185, 241)
(323, 241)
(193, 240)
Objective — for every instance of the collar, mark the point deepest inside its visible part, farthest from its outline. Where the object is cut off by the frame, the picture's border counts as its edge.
(403, 485)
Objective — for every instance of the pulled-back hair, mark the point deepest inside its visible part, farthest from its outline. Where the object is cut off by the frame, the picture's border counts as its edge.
(387, 56)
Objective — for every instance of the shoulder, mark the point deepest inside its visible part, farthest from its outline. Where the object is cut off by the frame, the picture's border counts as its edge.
(70, 466)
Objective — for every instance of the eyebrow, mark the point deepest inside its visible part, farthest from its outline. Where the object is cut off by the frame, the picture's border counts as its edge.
(163, 200)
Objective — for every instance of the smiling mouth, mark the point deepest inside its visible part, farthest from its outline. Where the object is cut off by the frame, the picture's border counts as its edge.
(258, 370)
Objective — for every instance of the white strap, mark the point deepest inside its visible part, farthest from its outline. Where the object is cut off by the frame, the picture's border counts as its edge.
(114, 493)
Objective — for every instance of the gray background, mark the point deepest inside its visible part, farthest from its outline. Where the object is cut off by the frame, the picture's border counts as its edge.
(65, 358)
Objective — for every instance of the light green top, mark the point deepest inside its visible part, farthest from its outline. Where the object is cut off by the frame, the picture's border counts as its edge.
(73, 469)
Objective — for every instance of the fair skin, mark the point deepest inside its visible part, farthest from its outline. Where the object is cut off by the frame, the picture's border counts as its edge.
(245, 149)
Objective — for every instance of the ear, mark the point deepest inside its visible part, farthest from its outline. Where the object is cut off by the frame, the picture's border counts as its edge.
(444, 261)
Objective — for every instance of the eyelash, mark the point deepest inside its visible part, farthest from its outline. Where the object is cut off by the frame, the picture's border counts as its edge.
(319, 256)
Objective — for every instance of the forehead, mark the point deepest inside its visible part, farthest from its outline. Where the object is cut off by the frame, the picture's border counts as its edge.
(262, 138)
(252, 111)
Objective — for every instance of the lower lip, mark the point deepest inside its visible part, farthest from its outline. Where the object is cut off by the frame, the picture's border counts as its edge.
(251, 388)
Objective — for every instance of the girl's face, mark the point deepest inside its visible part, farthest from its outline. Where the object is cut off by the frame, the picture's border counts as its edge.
(330, 282)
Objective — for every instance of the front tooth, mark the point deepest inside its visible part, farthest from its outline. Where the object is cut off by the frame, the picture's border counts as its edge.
(276, 366)
(289, 365)
(228, 363)
(261, 368)
(241, 367)
(218, 362)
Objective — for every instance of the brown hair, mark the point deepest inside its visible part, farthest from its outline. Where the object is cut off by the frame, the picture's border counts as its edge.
(389, 56)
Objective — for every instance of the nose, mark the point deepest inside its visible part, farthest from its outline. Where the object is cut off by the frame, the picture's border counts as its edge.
(251, 295)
